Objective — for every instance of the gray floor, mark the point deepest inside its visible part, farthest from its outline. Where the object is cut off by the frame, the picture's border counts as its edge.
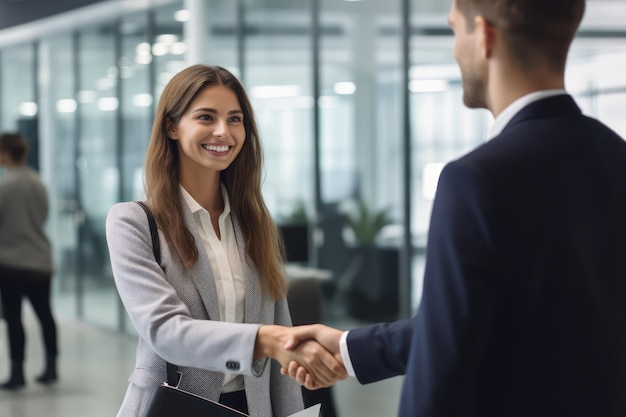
(94, 366)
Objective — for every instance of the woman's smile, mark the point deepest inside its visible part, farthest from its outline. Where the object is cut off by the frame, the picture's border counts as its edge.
(219, 150)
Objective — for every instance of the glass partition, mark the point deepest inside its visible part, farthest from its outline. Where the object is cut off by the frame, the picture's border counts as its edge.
(136, 105)
(594, 77)
(361, 155)
(18, 105)
(222, 47)
(98, 174)
(166, 50)
(278, 79)
(59, 105)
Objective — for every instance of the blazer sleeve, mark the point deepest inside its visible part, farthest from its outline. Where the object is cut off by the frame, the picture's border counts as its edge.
(161, 318)
(380, 351)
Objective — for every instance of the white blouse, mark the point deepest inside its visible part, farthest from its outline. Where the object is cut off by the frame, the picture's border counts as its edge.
(226, 265)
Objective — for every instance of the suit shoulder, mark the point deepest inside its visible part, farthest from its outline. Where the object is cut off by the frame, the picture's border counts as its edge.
(601, 128)
(128, 211)
(124, 207)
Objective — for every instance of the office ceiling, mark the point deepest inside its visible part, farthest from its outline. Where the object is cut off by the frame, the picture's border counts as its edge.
(16, 12)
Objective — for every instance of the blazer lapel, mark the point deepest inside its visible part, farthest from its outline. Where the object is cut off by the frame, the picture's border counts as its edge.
(252, 311)
(201, 272)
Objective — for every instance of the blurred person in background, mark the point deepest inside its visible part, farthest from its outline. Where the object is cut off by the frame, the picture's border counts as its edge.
(25, 258)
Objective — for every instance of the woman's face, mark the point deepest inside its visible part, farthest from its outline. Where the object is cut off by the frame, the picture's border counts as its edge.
(210, 133)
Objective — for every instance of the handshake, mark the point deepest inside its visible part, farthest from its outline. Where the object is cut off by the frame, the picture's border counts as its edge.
(309, 354)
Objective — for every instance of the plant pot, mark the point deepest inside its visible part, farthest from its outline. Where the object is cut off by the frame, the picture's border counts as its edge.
(373, 293)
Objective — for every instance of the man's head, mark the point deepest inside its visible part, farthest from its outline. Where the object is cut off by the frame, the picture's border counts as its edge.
(13, 149)
(534, 35)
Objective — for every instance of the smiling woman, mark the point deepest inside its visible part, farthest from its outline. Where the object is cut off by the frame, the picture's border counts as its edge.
(220, 278)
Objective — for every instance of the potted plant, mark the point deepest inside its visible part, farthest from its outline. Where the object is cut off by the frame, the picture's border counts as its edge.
(294, 229)
(366, 223)
(372, 293)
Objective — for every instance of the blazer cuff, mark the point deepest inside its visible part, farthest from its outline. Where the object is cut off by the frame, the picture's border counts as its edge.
(258, 366)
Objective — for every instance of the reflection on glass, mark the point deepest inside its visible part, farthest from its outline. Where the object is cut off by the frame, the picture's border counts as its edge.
(18, 87)
(61, 108)
(278, 75)
(97, 169)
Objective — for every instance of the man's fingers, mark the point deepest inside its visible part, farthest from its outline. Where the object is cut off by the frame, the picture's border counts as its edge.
(320, 363)
(300, 334)
(309, 355)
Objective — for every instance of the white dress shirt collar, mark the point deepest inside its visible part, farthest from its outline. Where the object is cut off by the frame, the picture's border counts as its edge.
(195, 207)
(512, 109)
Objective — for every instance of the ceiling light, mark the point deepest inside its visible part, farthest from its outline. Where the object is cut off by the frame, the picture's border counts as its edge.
(66, 105)
(344, 88)
(108, 104)
(428, 86)
(182, 15)
(28, 108)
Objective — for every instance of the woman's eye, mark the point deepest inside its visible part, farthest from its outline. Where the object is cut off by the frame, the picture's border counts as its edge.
(235, 119)
(205, 117)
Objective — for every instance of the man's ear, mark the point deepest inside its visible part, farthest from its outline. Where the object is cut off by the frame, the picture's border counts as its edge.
(488, 35)
(172, 133)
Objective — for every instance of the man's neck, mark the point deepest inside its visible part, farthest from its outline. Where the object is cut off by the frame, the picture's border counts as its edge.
(508, 85)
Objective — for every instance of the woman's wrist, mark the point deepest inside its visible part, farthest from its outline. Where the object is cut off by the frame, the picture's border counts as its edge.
(267, 340)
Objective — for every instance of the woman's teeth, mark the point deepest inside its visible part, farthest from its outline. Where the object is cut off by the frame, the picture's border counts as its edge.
(216, 148)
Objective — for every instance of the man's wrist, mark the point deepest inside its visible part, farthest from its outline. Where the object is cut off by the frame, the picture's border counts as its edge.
(345, 354)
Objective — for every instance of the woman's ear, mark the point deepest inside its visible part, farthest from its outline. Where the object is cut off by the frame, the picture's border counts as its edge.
(171, 129)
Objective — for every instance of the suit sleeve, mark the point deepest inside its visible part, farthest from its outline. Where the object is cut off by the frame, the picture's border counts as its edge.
(380, 351)
(453, 323)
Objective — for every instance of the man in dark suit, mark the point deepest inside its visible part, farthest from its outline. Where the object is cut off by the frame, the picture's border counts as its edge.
(524, 304)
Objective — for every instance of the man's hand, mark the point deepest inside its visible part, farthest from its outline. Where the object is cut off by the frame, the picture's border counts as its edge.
(319, 367)
(325, 336)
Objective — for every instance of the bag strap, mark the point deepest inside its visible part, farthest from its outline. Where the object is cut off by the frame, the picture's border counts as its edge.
(172, 370)
(154, 234)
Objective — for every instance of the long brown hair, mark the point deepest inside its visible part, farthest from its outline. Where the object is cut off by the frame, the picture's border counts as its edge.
(242, 178)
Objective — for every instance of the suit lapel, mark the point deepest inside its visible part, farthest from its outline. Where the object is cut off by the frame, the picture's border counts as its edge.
(252, 311)
(201, 272)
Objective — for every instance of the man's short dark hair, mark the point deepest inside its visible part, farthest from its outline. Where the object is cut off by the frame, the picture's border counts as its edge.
(531, 29)
(15, 144)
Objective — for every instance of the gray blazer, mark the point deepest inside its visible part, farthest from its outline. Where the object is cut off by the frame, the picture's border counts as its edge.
(173, 313)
